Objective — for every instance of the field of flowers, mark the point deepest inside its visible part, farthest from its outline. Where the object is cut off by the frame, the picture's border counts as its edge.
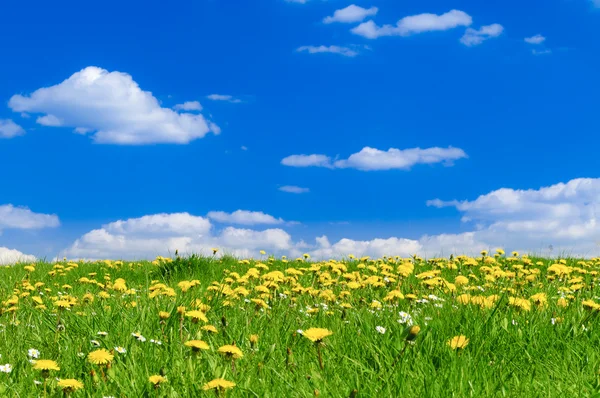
(493, 325)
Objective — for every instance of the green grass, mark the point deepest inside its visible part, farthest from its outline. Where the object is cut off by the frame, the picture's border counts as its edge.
(511, 353)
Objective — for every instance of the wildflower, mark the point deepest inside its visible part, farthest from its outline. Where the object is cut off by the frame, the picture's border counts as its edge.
(316, 335)
(70, 385)
(103, 334)
(100, 357)
(164, 315)
(231, 351)
(263, 252)
(380, 329)
(458, 342)
(156, 380)
(139, 337)
(209, 328)
(218, 384)
(196, 316)
(405, 318)
(197, 345)
(157, 342)
(33, 353)
(413, 332)
(6, 368)
(45, 365)
(120, 350)
(95, 343)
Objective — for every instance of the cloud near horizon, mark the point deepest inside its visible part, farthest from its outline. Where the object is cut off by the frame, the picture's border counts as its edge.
(554, 220)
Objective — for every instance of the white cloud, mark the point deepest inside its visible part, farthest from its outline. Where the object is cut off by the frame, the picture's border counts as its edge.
(415, 24)
(222, 97)
(352, 13)
(563, 215)
(9, 129)
(369, 159)
(12, 217)
(596, 3)
(147, 237)
(188, 106)
(243, 217)
(345, 51)
(473, 37)
(12, 256)
(554, 220)
(297, 1)
(293, 189)
(537, 39)
(114, 108)
(307, 161)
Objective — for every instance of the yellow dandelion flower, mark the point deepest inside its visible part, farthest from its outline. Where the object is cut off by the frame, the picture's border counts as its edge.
(458, 342)
(157, 379)
(70, 385)
(196, 316)
(164, 315)
(45, 364)
(209, 328)
(317, 335)
(231, 351)
(218, 384)
(197, 345)
(100, 357)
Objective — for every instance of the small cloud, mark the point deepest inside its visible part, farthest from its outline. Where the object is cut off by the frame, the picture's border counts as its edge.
(293, 189)
(415, 24)
(9, 129)
(371, 159)
(243, 148)
(188, 106)
(541, 52)
(222, 97)
(537, 39)
(350, 14)
(473, 37)
(345, 51)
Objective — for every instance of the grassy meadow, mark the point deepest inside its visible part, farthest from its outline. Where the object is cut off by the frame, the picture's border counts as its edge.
(498, 324)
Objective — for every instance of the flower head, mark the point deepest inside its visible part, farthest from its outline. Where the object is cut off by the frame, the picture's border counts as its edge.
(218, 384)
(197, 345)
(317, 335)
(70, 385)
(157, 380)
(100, 357)
(33, 353)
(231, 351)
(458, 342)
(45, 364)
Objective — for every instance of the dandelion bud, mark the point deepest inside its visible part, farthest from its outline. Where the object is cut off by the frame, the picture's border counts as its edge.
(413, 331)
(353, 393)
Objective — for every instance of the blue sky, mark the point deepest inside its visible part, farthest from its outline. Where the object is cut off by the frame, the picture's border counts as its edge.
(472, 96)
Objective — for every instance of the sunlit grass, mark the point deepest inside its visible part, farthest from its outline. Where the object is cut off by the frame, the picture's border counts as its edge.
(486, 326)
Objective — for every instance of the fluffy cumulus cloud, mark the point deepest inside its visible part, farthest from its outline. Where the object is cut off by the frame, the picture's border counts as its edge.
(350, 14)
(14, 217)
(370, 159)
(415, 24)
(294, 189)
(345, 51)
(243, 217)
(561, 216)
(553, 220)
(188, 106)
(12, 256)
(474, 37)
(9, 129)
(113, 109)
(163, 234)
(537, 39)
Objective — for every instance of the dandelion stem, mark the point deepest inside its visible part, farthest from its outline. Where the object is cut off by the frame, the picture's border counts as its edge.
(320, 356)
